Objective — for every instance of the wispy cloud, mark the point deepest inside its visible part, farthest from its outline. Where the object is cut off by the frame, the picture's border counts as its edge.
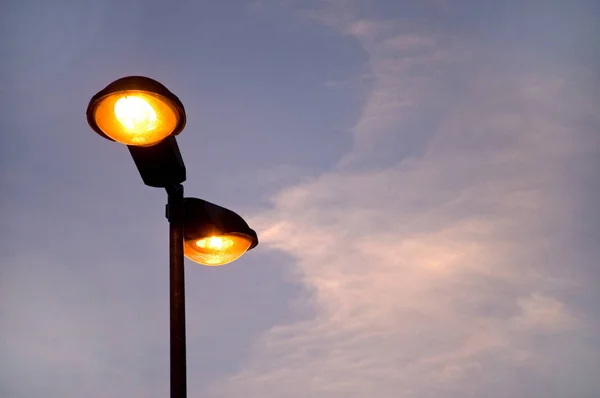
(434, 272)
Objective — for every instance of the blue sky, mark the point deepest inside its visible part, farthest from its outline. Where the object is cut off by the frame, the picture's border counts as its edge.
(423, 176)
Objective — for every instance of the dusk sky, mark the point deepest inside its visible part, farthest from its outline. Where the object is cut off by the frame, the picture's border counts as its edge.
(424, 178)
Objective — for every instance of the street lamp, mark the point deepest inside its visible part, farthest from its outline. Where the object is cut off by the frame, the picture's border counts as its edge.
(136, 110)
(213, 234)
(144, 115)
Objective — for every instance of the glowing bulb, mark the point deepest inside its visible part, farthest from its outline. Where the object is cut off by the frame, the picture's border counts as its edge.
(135, 114)
(215, 243)
(217, 250)
(136, 117)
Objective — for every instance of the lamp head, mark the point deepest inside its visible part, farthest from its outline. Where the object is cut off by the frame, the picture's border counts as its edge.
(136, 111)
(214, 235)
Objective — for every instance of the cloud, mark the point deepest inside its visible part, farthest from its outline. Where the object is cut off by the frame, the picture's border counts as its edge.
(435, 271)
(538, 312)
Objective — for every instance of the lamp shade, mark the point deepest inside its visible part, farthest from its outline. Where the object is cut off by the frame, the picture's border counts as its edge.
(214, 235)
(136, 111)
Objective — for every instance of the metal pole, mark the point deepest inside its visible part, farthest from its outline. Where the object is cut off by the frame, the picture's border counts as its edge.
(177, 291)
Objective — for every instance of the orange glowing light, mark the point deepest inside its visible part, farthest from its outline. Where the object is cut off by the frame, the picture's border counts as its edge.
(217, 250)
(136, 117)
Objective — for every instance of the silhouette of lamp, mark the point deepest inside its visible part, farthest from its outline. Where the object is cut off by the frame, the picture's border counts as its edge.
(213, 234)
(144, 115)
(136, 110)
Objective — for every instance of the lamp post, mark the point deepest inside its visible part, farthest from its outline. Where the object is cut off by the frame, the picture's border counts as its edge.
(144, 115)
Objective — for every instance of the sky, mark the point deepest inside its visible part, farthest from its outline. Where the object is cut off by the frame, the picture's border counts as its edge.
(423, 177)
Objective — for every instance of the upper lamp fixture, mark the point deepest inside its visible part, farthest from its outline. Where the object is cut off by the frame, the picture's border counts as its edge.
(214, 235)
(136, 111)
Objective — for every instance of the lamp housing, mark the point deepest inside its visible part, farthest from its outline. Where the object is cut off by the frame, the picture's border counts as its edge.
(137, 111)
(160, 165)
(214, 235)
